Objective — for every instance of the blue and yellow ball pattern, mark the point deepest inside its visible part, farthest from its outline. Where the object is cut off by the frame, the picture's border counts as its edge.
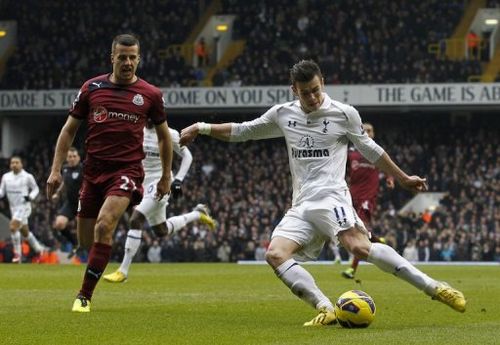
(355, 309)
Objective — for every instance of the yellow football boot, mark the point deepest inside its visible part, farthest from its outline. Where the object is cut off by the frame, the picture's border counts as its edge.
(348, 273)
(324, 318)
(450, 296)
(115, 277)
(81, 305)
(205, 216)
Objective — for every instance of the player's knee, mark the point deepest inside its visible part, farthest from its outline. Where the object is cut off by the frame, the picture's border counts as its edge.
(360, 250)
(137, 220)
(160, 230)
(275, 257)
(14, 226)
(104, 229)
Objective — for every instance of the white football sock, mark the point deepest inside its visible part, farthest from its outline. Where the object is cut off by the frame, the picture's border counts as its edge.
(132, 244)
(16, 242)
(336, 251)
(34, 242)
(388, 260)
(302, 284)
(176, 223)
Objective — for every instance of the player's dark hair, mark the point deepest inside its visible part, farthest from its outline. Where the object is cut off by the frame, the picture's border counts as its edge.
(127, 40)
(16, 157)
(304, 71)
(73, 149)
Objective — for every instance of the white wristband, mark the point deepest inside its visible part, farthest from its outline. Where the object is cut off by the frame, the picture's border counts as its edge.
(204, 128)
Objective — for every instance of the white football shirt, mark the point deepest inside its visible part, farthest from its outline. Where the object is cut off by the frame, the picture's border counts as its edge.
(17, 186)
(317, 143)
(152, 162)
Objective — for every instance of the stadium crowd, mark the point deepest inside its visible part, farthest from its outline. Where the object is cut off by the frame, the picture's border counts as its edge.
(77, 35)
(246, 187)
(350, 44)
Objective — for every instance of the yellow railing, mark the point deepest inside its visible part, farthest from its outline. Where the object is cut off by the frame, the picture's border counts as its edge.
(492, 70)
(452, 48)
(474, 78)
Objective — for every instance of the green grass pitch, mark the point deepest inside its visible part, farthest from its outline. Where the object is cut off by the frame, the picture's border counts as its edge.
(237, 304)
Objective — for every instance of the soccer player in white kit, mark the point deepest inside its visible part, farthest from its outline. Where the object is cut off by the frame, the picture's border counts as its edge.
(151, 209)
(21, 189)
(317, 131)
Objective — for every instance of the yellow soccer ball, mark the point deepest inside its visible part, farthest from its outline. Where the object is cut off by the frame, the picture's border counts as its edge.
(355, 309)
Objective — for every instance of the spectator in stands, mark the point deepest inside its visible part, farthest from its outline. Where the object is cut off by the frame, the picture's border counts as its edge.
(410, 252)
(201, 52)
(473, 41)
(154, 252)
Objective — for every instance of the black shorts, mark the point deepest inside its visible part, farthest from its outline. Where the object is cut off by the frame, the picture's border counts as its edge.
(68, 210)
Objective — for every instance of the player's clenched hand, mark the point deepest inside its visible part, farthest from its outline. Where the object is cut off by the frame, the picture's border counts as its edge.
(414, 184)
(53, 183)
(162, 187)
(188, 134)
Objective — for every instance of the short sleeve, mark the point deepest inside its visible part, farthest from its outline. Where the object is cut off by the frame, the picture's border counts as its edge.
(157, 113)
(80, 107)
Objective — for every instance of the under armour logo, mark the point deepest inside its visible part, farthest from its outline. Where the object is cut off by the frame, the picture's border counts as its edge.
(292, 123)
(325, 123)
(97, 84)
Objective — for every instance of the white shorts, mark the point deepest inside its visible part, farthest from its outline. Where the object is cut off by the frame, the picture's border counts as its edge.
(21, 213)
(155, 211)
(312, 223)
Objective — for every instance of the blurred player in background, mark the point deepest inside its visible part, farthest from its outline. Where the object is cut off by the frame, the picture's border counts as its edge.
(69, 190)
(115, 107)
(317, 131)
(154, 211)
(21, 189)
(363, 185)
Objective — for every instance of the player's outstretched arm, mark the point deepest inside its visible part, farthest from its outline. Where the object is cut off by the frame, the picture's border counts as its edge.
(64, 141)
(219, 131)
(414, 183)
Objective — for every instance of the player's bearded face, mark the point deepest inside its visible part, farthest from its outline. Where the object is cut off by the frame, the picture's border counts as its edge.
(125, 60)
(310, 93)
